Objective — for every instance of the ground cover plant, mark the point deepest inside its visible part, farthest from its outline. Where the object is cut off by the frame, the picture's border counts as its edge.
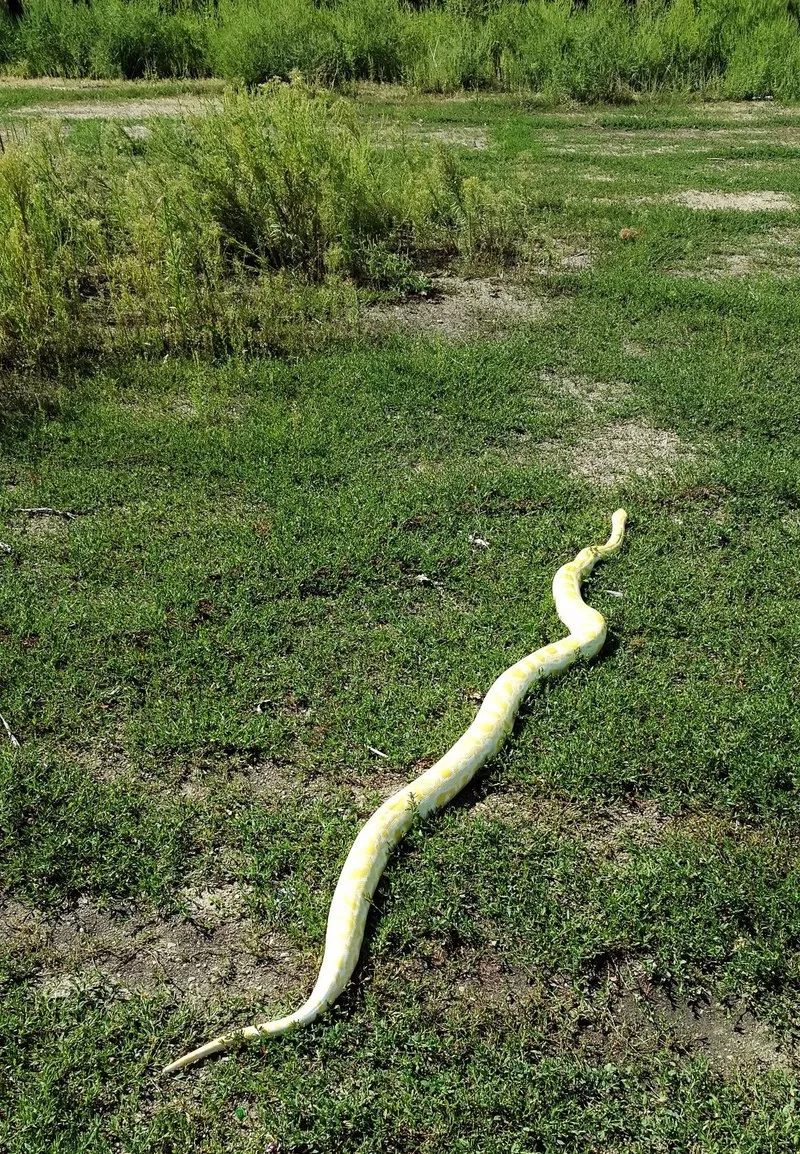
(600, 50)
(258, 570)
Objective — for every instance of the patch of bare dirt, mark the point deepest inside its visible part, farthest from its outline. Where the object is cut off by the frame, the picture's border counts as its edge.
(105, 760)
(783, 238)
(42, 524)
(611, 454)
(735, 264)
(748, 109)
(458, 309)
(560, 255)
(137, 131)
(462, 137)
(142, 109)
(576, 261)
(591, 394)
(561, 818)
(54, 83)
(695, 141)
(378, 92)
(606, 831)
(213, 949)
(639, 821)
(730, 1038)
(625, 1014)
(776, 252)
(21, 927)
(465, 980)
(492, 982)
(737, 201)
(791, 525)
(277, 783)
(270, 780)
(633, 348)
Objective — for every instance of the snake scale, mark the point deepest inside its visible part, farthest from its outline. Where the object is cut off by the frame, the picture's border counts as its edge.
(433, 789)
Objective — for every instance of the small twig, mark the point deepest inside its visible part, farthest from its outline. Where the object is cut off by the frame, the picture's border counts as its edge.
(45, 511)
(377, 752)
(11, 737)
(4, 548)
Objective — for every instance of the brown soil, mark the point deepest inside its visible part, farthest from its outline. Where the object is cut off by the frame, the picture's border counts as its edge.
(637, 142)
(54, 83)
(739, 201)
(604, 830)
(267, 779)
(776, 253)
(624, 1017)
(640, 821)
(610, 454)
(188, 105)
(66, 84)
(462, 137)
(212, 950)
(633, 348)
(730, 1038)
(576, 261)
(591, 394)
(559, 254)
(458, 309)
(136, 131)
(41, 525)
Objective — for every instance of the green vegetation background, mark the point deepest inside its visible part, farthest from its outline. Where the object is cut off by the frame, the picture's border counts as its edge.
(603, 50)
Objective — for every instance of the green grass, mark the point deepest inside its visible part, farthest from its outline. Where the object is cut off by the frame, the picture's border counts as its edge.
(197, 664)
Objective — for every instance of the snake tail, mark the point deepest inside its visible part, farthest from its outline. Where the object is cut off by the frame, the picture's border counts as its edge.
(433, 789)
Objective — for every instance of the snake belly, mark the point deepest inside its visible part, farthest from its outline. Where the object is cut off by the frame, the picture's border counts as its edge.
(433, 789)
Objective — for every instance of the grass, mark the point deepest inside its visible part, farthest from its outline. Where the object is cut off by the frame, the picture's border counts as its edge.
(198, 663)
(601, 50)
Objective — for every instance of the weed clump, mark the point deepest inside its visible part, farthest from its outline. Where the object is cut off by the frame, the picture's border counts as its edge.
(251, 227)
(290, 180)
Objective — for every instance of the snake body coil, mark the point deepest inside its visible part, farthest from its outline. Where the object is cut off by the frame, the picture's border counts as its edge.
(434, 788)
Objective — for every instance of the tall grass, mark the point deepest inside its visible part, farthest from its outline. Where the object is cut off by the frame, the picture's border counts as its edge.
(606, 50)
(112, 38)
(251, 227)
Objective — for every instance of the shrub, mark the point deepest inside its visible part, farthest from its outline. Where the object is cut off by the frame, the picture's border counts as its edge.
(139, 39)
(765, 62)
(56, 38)
(445, 52)
(260, 41)
(372, 35)
(9, 39)
(246, 228)
(290, 180)
(40, 255)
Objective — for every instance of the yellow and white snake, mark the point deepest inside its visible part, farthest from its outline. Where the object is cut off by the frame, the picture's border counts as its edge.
(433, 789)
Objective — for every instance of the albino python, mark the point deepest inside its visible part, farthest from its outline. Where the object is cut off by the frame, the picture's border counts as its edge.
(433, 789)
